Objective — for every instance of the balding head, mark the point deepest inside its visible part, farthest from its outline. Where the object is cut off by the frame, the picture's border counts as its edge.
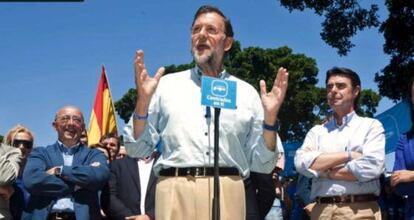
(69, 123)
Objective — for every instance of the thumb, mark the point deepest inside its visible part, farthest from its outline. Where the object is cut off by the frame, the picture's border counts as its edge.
(159, 73)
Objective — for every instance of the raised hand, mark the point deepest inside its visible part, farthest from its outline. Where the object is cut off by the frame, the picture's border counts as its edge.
(145, 84)
(272, 100)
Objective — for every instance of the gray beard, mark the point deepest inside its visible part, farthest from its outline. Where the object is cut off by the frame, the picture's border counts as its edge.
(203, 61)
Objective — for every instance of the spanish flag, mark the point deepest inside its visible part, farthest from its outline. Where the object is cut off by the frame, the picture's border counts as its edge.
(103, 120)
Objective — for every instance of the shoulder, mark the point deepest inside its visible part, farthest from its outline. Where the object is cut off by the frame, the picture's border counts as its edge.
(171, 77)
(243, 85)
(7, 150)
(373, 123)
(44, 149)
(122, 162)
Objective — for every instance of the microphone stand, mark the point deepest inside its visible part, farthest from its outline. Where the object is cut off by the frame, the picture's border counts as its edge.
(216, 197)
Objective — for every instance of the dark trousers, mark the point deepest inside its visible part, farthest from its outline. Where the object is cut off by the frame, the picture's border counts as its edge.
(260, 194)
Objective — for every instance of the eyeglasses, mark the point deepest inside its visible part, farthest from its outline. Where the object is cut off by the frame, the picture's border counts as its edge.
(26, 144)
(66, 118)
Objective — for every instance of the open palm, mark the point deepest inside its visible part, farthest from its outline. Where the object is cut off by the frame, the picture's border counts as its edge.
(145, 84)
(273, 99)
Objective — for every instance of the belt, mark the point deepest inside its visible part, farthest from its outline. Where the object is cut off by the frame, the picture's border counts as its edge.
(61, 216)
(199, 171)
(347, 198)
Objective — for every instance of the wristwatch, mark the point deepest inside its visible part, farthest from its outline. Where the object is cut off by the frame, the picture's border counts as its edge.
(58, 171)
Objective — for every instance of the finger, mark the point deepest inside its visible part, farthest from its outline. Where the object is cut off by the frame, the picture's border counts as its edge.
(139, 64)
(160, 72)
(262, 88)
(282, 78)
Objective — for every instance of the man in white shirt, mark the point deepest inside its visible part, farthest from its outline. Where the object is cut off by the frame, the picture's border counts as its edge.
(344, 156)
(168, 109)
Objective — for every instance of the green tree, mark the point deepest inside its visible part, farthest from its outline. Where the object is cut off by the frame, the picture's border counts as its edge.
(1, 138)
(305, 104)
(398, 31)
(343, 18)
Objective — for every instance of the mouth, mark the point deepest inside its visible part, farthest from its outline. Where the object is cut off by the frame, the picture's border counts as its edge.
(202, 47)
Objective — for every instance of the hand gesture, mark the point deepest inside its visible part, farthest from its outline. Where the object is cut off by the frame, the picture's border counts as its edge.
(402, 176)
(145, 84)
(273, 100)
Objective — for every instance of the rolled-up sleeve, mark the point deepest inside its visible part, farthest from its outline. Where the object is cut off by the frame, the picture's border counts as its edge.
(371, 165)
(264, 160)
(144, 145)
(307, 153)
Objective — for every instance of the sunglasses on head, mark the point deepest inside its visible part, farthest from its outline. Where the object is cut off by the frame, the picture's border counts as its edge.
(26, 144)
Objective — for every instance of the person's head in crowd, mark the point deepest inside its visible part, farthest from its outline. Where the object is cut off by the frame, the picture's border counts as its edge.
(112, 142)
(122, 152)
(104, 149)
(211, 37)
(20, 137)
(411, 100)
(69, 124)
(84, 137)
(343, 88)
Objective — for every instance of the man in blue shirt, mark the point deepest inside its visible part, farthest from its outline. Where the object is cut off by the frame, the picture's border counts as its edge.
(63, 179)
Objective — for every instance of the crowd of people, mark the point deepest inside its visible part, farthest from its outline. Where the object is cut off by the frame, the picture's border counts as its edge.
(165, 171)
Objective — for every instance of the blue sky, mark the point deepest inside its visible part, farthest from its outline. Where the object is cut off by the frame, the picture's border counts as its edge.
(51, 53)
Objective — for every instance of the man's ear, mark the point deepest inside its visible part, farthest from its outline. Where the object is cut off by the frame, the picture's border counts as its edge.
(228, 42)
(357, 91)
(54, 124)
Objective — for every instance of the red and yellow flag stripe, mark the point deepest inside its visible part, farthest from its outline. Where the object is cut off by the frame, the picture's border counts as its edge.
(103, 120)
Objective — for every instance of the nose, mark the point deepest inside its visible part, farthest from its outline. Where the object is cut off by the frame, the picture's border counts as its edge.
(203, 33)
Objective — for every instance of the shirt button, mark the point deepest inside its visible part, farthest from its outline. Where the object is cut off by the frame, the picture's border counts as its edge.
(207, 153)
(205, 133)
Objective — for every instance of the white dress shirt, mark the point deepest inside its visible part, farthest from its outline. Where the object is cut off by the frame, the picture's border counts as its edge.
(177, 119)
(360, 134)
(145, 168)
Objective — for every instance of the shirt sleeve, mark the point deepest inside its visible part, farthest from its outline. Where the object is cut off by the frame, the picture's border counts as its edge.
(263, 160)
(144, 145)
(307, 153)
(371, 165)
(400, 164)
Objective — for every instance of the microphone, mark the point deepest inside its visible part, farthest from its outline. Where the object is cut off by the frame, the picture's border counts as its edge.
(208, 112)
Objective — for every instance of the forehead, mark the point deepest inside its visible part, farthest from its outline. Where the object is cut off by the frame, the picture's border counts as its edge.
(69, 111)
(339, 79)
(23, 136)
(110, 140)
(209, 18)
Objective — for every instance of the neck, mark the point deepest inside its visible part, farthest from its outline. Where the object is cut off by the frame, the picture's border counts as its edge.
(69, 144)
(210, 70)
(339, 115)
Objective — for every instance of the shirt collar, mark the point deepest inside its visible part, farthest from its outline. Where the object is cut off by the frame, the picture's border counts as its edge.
(68, 150)
(198, 73)
(345, 120)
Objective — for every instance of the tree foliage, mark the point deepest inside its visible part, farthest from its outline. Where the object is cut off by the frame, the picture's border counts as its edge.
(343, 18)
(305, 104)
(398, 32)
